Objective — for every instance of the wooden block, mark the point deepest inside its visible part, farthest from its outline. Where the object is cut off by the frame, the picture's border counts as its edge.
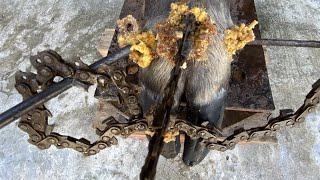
(105, 41)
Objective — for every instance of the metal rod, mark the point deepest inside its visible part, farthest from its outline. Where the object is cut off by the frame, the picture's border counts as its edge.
(291, 43)
(36, 100)
(124, 52)
(163, 111)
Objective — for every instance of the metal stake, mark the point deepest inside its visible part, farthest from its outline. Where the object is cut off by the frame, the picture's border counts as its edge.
(290, 43)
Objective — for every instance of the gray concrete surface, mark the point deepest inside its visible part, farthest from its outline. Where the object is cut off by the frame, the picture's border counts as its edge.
(74, 28)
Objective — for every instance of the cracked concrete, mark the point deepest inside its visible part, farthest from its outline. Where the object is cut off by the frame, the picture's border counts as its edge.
(73, 28)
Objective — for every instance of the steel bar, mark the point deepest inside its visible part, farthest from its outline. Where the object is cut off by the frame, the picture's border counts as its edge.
(163, 111)
(34, 101)
(290, 43)
(124, 52)
(17, 111)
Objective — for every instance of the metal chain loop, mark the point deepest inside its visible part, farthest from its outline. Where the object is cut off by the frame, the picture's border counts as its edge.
(49, 64)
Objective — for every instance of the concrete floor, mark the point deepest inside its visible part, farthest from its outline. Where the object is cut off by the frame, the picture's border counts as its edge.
(74, 28)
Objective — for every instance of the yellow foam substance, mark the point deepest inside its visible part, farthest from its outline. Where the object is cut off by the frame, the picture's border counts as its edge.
(146, 47)
(168, 42)
(168, 136)
(124, 40)
(199, 13)
(150, 133)
(238, 36)
(177, 12)
(143, 44)
(143, 48)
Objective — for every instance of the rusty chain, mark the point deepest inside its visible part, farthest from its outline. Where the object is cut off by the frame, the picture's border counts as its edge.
(50, 65)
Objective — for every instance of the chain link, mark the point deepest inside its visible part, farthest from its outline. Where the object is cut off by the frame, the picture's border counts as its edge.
(49, 65)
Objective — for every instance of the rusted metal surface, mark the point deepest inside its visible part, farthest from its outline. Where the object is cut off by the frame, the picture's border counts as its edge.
(249, 86)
